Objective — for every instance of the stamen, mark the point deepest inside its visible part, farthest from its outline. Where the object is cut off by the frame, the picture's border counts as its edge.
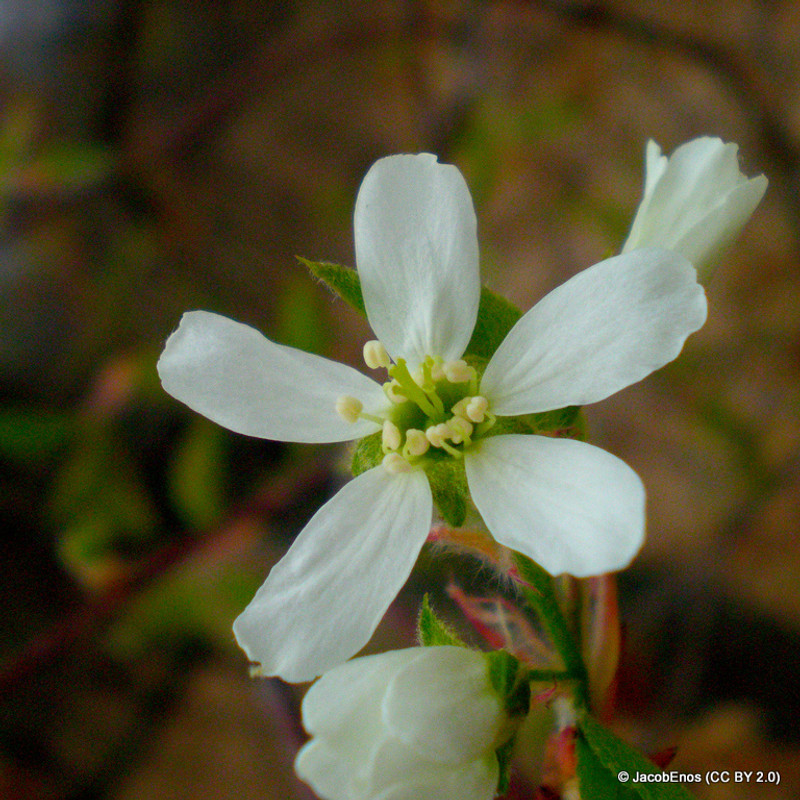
(458, 371)
(395, 464)
(392, 390)
(476, 408)
(416, 444)
(436, 434)
(375, 355)
(349, 408)
(429, 404)
(460, 430)
(391, 437)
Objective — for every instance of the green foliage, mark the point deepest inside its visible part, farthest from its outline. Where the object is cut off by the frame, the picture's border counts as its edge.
(608, 757)
(197, 476)
(28, 437)
(496, 317)
(368, 453)
(504, 754)
(431, 631)
(448, 481)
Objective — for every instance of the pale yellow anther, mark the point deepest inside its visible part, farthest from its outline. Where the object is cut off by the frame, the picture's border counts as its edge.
(437, 371)
(460, 430)
(436, 434)
(392, 389)
(395, 463)
(375, 355)
(460, 408)
(416, 443)
(476, 408)
(349, 408)
(458, 371)
(391, 436)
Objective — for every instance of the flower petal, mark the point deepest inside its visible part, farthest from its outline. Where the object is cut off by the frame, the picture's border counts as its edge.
(446, 690)
(417, 256)
(322, 601)
(238, 378)
(604, 329)
(705, 242)
(569, 506)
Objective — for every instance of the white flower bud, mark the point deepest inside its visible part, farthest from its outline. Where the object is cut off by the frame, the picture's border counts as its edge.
(349, 408)
(695, 202)
(375, 355)
(420, 722)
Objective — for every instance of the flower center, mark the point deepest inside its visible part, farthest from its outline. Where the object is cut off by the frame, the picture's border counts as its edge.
(436, 410)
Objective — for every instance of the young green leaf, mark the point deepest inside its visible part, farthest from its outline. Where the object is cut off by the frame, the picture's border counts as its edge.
(618, 758)
(431, 631)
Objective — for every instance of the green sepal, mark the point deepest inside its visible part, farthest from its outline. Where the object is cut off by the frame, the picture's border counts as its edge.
(368, 453)
(341, 280)
(496, 317)
(448, 481)
(504, 754)
(509, 683)
(431, 631)
(615, 756)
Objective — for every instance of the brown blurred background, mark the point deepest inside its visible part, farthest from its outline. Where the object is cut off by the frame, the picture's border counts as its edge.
(157, 157)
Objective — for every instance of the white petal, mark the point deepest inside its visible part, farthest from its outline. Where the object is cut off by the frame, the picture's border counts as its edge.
(236, 377)
(350, 692)
(417, 257)
(331, 773)
(604, 329)
(322, 601)
(446, 690)
(704, 243)
(569, 506)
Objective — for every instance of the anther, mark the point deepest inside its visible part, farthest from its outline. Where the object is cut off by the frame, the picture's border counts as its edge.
(416, 443)
(393, 392)
(460, 430)
(395, 463)
(436, 434)
(458, 371)
(349, 408)
(391, 437)
(476, 409)
(375, 355)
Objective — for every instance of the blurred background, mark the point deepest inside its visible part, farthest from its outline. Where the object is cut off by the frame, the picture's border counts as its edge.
(158, 156)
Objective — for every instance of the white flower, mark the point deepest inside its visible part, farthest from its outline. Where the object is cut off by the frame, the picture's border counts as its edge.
(695, 202)
(415, 724)
(569, 506)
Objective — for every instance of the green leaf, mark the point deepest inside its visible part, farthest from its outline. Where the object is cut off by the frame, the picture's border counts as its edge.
(448, 481)
(431, 631)
(343, 281)
(595, 779)
(368, 453)
(617, 756)
(504, 754)
(496, 317)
